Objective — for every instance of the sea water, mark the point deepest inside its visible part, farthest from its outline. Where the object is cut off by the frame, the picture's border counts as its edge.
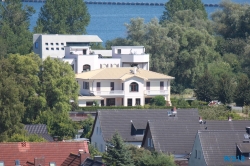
(107, 21)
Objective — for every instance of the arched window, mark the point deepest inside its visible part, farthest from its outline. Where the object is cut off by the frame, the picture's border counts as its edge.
(133, 87)
(85, 68)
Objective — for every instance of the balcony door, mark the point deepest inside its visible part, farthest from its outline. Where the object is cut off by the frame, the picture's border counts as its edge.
(162, 85)
(98, 86)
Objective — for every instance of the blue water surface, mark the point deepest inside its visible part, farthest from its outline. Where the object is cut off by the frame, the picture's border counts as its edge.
(107, 21)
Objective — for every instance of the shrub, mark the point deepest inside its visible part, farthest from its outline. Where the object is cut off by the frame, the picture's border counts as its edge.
(158, 101)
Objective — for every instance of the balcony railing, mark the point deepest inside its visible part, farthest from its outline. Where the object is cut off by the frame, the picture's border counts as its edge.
(114, 92)
(156, 92)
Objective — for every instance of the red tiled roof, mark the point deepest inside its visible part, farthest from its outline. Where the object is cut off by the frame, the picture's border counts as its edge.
(51, 151)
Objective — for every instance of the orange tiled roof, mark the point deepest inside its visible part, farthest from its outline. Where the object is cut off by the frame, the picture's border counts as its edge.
(51, 151)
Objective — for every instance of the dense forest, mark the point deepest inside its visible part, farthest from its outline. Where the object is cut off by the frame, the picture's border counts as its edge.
(209, 56)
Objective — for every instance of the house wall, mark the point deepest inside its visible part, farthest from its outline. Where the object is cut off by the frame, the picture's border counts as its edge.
(97, 137)
(134, 95)
(84, 91)
(195, 161)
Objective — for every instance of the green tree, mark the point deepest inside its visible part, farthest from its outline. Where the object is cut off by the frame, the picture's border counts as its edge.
(63, 17)
(231, 21)
(87, 125)
(14, 26)
(242, 91)
(57, 87)
(158, 101)
(172, 6)
(143, 157)
(11, 107)
(226, 88)
(27, 68)
(205, 87)
(26, 137)
(117, 152)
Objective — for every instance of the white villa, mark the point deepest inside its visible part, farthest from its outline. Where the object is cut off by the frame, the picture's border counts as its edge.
(117, 77)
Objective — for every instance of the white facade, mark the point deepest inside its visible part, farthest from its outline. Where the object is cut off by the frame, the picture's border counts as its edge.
(122, 95)
(83, 59)
(53, 45)
(97, 139)
(197, 157)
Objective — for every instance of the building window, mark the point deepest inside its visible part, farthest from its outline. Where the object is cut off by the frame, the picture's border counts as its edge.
(149, 142)
(86, 85)
(162, 85)
(1, 163)
(95, 145)
(52, 48)
(47, 48)
(57, 48)
(36, 45)
(196, 154)
(129, 102)
(100, 131)
(101, 148)
(199, 154)
(138, 101)
(96, 130)
(57, 44)
(98, 86)
(46, 44)
(52, 164)
(86, 68)
(110, 102)
(62, 44)
(62, 48)
(133, 87)
(122, 86)
(119, 51)
(51, 44)
(148, 85)
(112, 86)
(89, 103)
(152, 145)
(84, 52)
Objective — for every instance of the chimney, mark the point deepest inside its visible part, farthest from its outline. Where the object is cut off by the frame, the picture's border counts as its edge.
(135, 70)
(229, 118)
(82, 156)
(174, 110)
(200, 120)
(98, 158)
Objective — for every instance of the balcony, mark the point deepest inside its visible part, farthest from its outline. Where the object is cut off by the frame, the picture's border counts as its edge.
(108, 93)
(155, 92)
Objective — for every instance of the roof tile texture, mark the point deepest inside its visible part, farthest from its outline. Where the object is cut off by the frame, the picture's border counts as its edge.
(51, 151)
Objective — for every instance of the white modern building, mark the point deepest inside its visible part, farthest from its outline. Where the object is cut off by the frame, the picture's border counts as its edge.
(117, 77)
(124, 86)
(83, 59)
(53, 45)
